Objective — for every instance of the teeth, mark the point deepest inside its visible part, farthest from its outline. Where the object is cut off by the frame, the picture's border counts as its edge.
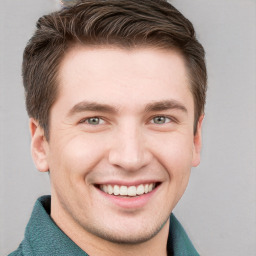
(109, 189)
(116, 190)
(140, 190)
(128, 191)
(105, 188)
(132, 191)
(123, 191)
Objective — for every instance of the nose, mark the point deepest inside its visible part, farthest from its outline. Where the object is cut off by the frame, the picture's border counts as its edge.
(129, 150)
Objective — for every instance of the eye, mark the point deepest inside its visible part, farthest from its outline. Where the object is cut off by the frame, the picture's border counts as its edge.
(160, 120)
(93, 121)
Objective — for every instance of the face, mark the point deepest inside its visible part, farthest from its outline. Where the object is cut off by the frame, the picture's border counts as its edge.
(121, 141)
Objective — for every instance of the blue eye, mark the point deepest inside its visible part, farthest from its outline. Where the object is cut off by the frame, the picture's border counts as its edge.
(160, 120)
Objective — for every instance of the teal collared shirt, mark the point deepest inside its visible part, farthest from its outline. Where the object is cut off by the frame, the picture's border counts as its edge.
(43, 237)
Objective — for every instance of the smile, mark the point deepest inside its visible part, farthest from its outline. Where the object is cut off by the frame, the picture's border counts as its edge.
(130, 191)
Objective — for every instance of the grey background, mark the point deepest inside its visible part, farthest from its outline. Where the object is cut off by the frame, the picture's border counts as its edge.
(218, 209)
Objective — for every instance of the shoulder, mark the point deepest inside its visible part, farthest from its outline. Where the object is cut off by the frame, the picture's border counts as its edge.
(17, 252)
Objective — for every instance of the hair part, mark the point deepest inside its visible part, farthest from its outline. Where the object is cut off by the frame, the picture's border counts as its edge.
(121, 23)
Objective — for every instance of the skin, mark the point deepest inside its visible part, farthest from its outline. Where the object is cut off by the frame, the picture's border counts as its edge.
(125, 90)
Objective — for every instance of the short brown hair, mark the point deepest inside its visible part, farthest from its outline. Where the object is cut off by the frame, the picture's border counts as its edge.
(124, 23)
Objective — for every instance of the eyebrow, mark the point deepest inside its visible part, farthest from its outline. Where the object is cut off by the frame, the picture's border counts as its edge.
(165, 105)
(105, 108)
(91, 106)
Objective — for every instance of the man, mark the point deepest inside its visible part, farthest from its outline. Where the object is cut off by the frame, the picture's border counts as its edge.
(115, 91)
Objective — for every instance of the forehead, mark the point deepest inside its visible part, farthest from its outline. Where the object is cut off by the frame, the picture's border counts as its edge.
(121, 76)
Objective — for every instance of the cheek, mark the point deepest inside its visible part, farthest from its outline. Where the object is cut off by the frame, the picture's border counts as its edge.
(178, 166)
(177, 162)
(76, 156)
(70, 163)
(176, 154)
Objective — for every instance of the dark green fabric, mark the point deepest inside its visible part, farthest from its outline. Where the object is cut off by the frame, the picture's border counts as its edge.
(179, 243)
(43, 237)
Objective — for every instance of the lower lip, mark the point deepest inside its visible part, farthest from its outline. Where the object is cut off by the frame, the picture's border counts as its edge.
(130, 202)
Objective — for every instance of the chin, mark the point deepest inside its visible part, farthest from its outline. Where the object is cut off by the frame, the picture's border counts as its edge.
(126, 236)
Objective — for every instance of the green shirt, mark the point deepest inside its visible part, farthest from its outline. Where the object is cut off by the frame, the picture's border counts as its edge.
(43, 237)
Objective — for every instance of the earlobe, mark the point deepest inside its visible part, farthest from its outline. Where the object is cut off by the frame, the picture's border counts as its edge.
(39, 146)
(197, 143)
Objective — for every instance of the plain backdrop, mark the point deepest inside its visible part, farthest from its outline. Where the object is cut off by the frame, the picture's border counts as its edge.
(218, 209)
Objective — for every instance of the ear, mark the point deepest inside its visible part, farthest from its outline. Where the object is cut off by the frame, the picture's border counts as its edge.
(39, 146)
(197, 143)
